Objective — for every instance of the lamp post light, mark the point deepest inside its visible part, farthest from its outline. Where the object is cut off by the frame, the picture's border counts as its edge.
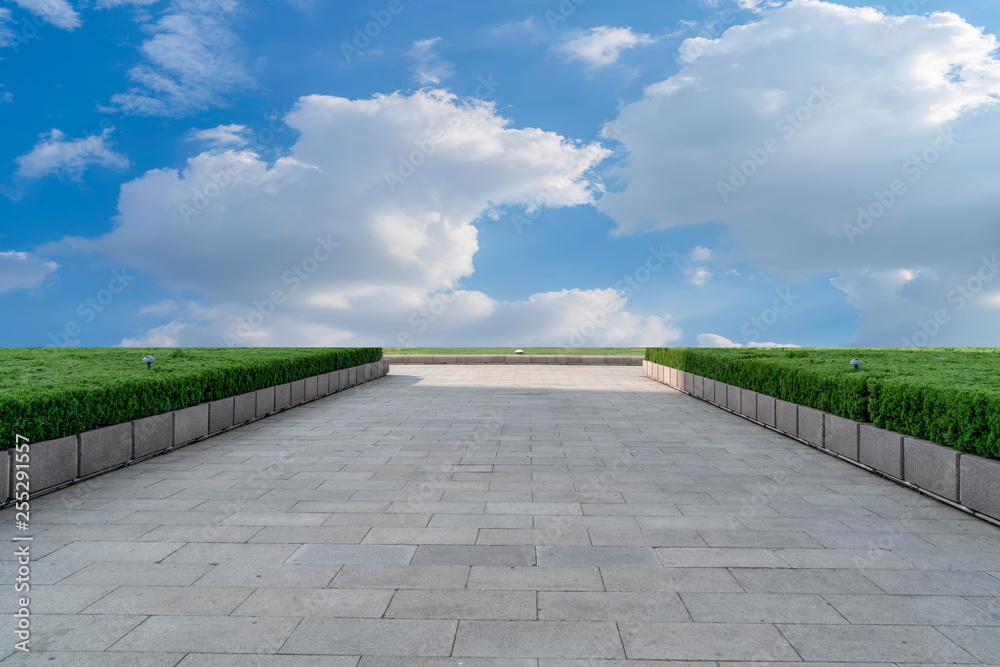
(856, 363)
(149, 362)
(518, 351)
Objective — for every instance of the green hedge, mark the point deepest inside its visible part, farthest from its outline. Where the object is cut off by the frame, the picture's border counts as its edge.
(946, 395)
(111, 386)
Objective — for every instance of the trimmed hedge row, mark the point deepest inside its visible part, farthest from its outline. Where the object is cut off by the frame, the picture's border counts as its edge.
(56, 412)
(948, 413)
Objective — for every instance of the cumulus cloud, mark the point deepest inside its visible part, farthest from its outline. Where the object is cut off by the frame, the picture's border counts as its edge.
(714, 340)
(223, 135)
(794, 131)
(23, 270)
(429, 67)
(601, 46)
(55, 154)
(56, 12)
(315, 248)
(192, 61)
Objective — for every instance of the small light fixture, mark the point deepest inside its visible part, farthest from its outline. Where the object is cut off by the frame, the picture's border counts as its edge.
(856, 363)
(518, 351)
(149, 362)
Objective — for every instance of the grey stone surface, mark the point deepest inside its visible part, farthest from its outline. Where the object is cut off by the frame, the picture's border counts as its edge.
(931, 466)
(882, 450)
(52, 462)
(352, 376)
(297, 391)
(323, 384)
(514, 555)
(382, 637)
(282, 396)
(841, 435)
(748, 403)
(664, 527)
(571, 556)
(766, 410)
(342, 379)
(981, 484)
(210, 634)
(221, 414)
(353, 554)
(734, 398)
(244, 407)
(867, 643)
(311, 387)
(786, 417)
(695, 641)
(540, 639)
(152, 434)
(265, 401)
(811, 425)
(190, 423)
(464, 605)
(105, 447)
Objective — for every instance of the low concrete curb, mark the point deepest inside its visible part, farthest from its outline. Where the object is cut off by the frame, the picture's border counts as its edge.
(57, 463)
(966, 480)
(512, 359)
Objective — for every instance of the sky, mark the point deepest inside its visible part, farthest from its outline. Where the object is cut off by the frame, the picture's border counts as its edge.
(528, 173)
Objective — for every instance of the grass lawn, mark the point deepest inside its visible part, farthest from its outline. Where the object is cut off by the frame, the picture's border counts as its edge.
(589, 351)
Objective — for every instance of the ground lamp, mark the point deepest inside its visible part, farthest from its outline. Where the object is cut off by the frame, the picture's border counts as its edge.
(856, 363)
(149, 362)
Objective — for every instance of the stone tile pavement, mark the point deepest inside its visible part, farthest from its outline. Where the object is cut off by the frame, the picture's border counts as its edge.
(551, 516)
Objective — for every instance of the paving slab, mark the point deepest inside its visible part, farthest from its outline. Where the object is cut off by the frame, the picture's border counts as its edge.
(349, 636)
(542, 515)
(544, 639)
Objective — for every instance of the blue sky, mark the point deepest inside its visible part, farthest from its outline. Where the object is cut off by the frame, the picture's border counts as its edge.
(184, 172)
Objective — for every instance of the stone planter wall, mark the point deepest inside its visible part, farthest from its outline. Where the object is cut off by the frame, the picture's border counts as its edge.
(591, 360)
(967, 480)
(55, 463)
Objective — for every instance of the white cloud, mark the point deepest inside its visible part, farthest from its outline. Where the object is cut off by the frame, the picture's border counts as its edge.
(192, 61)
(355, 252)
(714, 340)
(698, 275)
(601, 46)
(430, 68)
(168, 335)
(56, 12)
(6, 33)
(560, 318)
(6, 97)
(55, 154)
(701, 254)
(223, 135)
(883, 90)
(109, 4)
(23, 270)
(164, 307)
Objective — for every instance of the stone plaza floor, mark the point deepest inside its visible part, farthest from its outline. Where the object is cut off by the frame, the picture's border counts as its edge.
(550, 516)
